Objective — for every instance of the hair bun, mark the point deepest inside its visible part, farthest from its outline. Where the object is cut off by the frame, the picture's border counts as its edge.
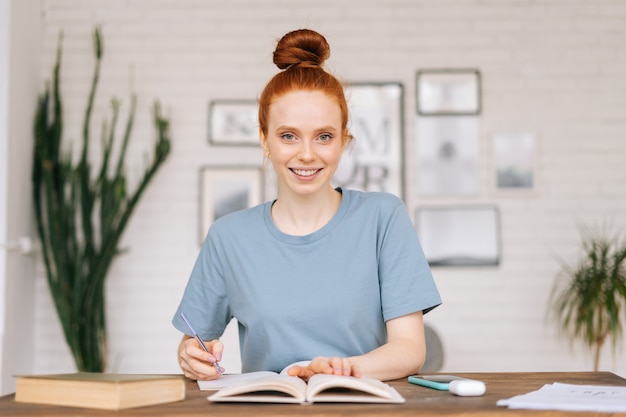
(303, 47)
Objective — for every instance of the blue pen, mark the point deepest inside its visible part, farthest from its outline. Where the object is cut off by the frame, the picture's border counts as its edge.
(220, 370)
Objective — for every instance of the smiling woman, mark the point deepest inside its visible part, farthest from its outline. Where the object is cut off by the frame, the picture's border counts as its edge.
(303, 118)
(271, 266)
(305, 150)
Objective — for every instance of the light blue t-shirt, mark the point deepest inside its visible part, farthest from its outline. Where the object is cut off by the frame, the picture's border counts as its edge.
(328, 293)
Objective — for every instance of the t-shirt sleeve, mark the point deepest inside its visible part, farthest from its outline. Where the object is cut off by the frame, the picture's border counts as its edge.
(204, 301)
(407, 284)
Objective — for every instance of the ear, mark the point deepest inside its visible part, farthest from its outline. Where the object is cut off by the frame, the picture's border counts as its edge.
(347, 138)
(263, 140)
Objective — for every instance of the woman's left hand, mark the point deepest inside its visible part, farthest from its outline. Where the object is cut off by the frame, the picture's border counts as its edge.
(323, 365)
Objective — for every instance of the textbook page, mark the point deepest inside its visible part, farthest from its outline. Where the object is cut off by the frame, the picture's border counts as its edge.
(227, 380)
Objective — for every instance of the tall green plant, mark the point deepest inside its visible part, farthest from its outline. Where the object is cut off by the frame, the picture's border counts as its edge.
(81, 211)
(590, 303)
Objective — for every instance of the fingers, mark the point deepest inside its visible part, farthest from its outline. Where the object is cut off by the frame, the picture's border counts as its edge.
(323, 365)
(217, 348)
(198, 370)
(301, 371)
(341, 366)
(198, 364)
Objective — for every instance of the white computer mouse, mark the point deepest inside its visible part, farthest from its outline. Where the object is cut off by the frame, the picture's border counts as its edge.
(467, 387)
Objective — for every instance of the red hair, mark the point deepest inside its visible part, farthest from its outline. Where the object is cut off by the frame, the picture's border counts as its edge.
(301, 55)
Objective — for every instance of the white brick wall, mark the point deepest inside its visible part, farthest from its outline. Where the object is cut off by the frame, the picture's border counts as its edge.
(552, 68)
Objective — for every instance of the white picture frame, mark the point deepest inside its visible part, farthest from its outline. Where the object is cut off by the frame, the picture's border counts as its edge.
(447, 155)
(375, 160)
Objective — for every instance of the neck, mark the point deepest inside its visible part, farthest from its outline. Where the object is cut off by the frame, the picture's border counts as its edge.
(305, 214)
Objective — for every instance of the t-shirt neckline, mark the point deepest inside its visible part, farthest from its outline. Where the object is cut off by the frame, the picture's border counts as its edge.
(311, 237)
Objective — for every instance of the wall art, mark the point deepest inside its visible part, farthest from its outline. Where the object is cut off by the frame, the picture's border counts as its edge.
(459, 235)
(375, 159)
(514, 161)
(448, 92)
(227, 189)
(233, 123)
(447, 155)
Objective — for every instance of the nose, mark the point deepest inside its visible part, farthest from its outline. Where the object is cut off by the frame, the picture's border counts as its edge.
(305, 153)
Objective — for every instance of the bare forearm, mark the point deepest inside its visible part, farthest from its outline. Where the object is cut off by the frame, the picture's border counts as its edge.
(402, 355)
(393, 360)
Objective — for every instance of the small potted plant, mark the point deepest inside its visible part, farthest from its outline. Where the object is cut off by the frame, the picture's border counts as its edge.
(589, 298)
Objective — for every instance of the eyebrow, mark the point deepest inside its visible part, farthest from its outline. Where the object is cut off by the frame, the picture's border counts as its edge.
(328, 128)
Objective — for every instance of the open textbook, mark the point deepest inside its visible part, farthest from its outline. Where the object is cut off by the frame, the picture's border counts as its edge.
(274, 388)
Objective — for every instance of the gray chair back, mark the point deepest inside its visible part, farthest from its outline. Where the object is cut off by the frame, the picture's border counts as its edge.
(434, 351)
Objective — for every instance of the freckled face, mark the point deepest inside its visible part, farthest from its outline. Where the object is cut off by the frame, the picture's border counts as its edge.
(304, 141)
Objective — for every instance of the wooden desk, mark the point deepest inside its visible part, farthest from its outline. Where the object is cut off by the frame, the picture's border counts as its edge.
(420, 401)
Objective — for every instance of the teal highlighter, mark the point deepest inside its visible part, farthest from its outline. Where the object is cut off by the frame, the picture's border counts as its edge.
(438, 382)
(457, 385)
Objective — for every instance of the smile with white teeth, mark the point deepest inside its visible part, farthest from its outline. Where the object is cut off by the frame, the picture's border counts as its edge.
(305, 172)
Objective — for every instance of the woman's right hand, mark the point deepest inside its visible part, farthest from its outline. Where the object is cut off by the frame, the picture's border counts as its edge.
(195, 362)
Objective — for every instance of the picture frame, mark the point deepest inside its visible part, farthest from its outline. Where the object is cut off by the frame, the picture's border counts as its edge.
(459, 235)
(448, 92)
(375, 159)
(447, 155)
(233, 123)
(514, 161)
(225, 189)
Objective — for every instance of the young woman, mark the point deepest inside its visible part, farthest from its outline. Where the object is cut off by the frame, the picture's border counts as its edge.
(321, 280)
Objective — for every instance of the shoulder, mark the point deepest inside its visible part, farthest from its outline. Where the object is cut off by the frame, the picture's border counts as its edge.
(374, 209)
(378, 200)
(240, 220)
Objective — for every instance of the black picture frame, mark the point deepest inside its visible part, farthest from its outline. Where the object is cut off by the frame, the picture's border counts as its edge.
(448, 92)
(375, 159)
(459, 235)
(233, 122)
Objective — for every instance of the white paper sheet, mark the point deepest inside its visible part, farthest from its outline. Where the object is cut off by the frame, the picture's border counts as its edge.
(571, 397)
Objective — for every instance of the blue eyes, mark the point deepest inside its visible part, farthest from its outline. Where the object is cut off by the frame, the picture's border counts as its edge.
(324, 137)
